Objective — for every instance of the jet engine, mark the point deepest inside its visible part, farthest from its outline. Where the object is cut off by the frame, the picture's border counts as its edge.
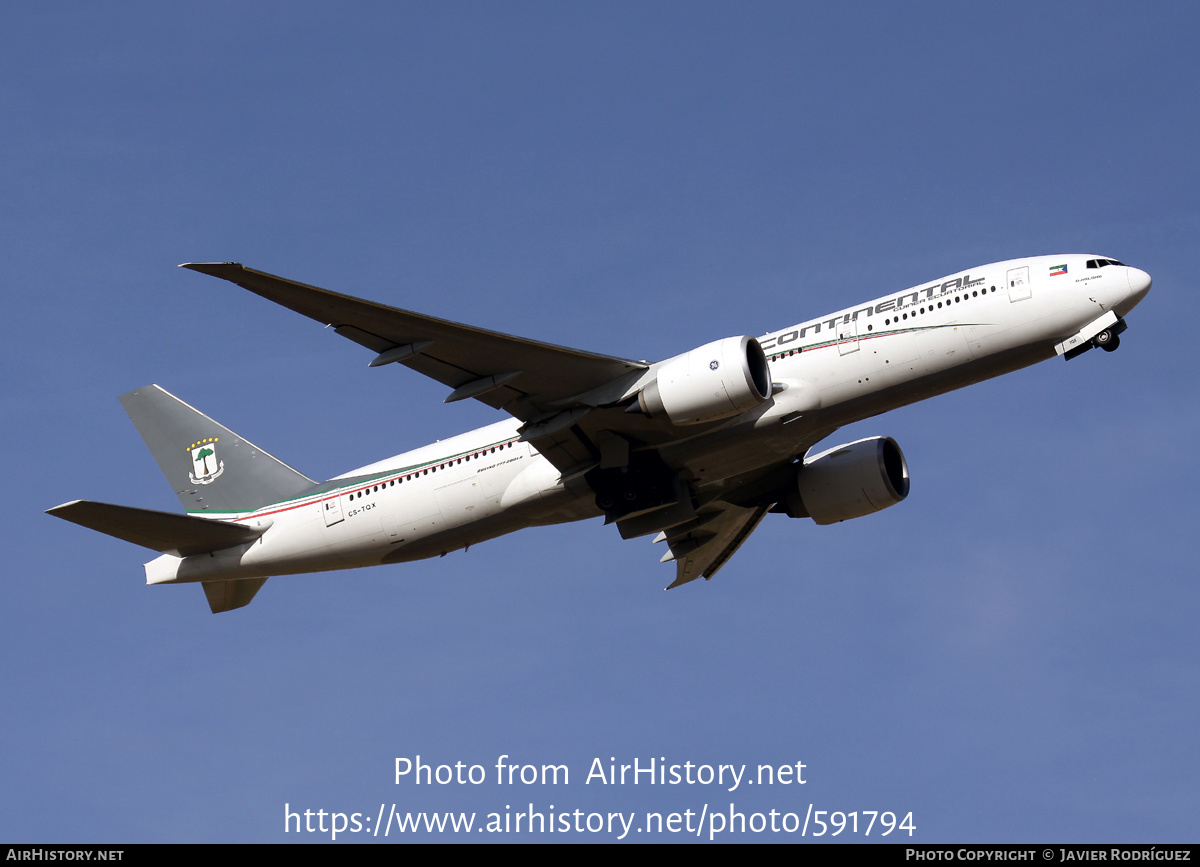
(849, 481)
(715, 381)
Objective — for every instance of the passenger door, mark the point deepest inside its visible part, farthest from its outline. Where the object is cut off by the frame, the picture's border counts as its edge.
(1019, 288)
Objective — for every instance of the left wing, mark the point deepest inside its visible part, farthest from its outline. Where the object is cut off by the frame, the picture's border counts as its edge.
(527, 378)
(550, 388)
(702, 546)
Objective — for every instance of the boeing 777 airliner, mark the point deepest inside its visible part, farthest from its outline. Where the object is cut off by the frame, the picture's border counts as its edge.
(696, 449)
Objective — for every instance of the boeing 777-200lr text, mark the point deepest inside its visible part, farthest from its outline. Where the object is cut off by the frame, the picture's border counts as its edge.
(696, 449)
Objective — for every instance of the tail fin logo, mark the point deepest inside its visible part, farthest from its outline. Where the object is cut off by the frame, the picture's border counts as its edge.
(206, 466)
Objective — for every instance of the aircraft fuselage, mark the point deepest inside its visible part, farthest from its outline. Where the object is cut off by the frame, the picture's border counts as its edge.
(825, 373)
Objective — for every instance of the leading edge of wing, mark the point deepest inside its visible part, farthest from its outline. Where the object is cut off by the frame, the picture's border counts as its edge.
(524, 377)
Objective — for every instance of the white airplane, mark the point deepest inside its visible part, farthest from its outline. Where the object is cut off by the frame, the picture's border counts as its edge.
(696, 449)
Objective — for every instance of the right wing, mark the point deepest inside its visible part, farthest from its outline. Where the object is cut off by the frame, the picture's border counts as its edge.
(702, 546)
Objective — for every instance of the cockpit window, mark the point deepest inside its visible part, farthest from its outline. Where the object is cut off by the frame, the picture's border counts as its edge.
(1100, 263)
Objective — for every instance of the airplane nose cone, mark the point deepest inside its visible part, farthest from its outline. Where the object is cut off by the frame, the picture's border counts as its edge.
(1139, 285)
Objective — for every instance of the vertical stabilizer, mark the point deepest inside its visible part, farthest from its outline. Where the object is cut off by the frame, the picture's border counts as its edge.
(210, 468)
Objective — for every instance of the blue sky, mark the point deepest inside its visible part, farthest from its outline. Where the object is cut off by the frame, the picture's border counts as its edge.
(1010, 654)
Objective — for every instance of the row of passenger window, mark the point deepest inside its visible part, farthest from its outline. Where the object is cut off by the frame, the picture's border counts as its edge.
(929, 309)
(957, 299)
(391, 483)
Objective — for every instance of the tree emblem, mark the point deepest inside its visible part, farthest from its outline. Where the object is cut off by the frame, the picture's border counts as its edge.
(206, 466)
(204, 453)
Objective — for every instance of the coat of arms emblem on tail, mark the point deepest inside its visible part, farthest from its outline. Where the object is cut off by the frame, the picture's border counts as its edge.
(206, 466)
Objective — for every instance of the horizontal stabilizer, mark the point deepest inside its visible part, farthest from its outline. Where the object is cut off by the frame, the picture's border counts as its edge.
(228, 595)
(180, 535)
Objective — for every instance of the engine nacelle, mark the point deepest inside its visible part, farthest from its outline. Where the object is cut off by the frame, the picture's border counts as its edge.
(714, 381)
(849, 481)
